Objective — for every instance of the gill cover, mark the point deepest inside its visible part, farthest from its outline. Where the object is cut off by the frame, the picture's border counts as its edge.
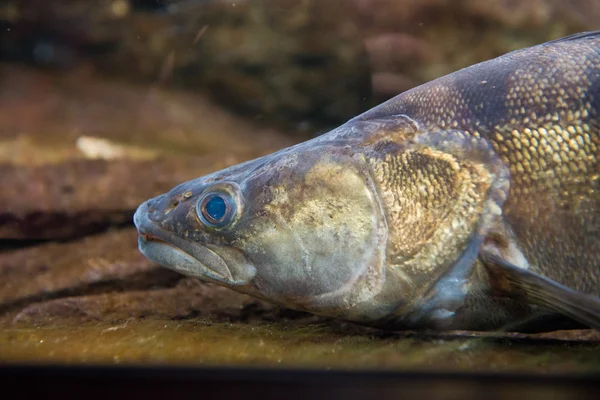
(315, 230)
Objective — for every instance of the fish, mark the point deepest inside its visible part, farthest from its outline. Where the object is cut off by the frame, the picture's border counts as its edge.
(471, 202)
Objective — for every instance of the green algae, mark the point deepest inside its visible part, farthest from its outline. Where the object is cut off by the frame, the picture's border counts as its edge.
(199, 342)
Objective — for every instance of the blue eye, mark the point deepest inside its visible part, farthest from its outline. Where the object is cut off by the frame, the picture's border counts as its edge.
(216, 209)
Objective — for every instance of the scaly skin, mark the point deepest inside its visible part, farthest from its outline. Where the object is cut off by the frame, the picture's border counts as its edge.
(539, 108)
(382, 221)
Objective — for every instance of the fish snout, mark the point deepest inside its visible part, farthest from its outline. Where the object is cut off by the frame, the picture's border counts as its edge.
(140, 218)
(147, 215)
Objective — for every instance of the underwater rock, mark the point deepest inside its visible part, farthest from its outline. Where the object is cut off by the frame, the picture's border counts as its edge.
(80, 197)
(189, 298)
(292, 62)
(47, 113)
(78, 154)
(285, 61)
(58, 33)
(60, 269)
(105, 278)
(411, 42)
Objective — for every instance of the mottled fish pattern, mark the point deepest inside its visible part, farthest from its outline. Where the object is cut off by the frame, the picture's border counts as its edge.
(470, 202)
(539, 107)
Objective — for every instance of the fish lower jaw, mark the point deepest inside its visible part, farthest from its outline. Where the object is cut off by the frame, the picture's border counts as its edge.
(175, 259)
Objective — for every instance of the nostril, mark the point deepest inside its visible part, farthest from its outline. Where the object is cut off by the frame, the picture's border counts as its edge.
(171, 204)
(180, 198)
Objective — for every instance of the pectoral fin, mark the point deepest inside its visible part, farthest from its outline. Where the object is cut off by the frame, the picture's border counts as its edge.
(515, 282)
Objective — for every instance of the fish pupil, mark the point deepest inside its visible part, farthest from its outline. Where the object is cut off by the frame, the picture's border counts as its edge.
(216, 208)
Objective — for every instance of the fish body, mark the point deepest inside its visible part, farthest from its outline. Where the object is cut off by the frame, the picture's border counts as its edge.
(470, 202)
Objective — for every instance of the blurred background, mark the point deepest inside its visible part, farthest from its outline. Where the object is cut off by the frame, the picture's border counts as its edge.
(106, 103)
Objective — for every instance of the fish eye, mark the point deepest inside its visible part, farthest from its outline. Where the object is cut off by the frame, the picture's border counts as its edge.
(216, 209)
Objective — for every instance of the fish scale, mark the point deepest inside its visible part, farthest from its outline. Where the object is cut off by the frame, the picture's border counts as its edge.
(539, 108)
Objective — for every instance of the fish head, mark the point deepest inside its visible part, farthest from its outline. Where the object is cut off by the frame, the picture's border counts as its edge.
(301, 228)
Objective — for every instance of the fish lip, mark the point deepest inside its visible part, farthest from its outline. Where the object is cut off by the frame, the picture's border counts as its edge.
(165, 248)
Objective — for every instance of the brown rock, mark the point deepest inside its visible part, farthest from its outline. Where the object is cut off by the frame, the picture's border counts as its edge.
(287, 61)
(156, 140)
(284, 61)
(189, 298)
(61, 269)
(56, 33)
(414, 41)
(53, 111)
(76, 198)
(105, 278)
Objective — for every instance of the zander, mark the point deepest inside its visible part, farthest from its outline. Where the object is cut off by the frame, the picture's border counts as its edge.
(470, 202)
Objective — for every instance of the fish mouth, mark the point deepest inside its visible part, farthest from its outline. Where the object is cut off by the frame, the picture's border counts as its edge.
(187, 257)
